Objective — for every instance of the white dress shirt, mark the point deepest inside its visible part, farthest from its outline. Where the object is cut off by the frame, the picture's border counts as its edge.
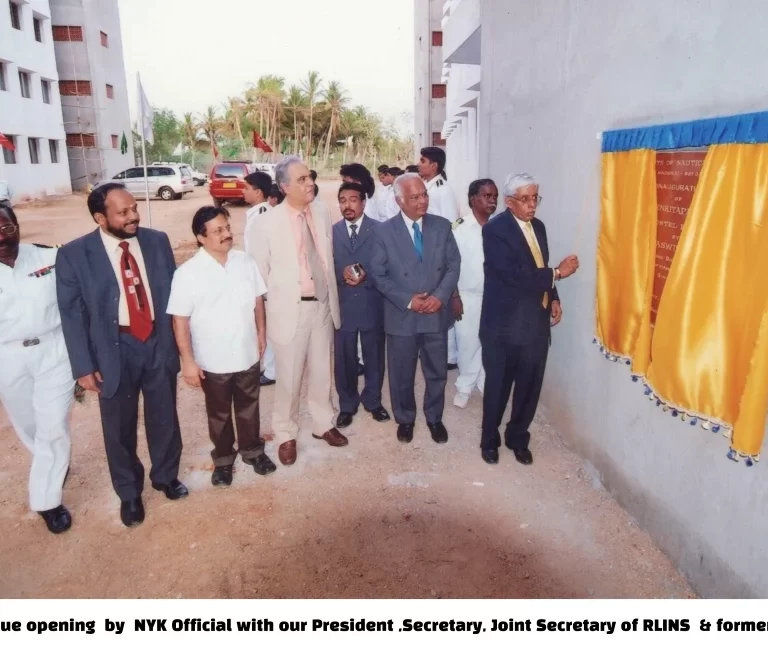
(409, 224)
(388, 207)
(442, 202)
(115, 254)
(220, 301)
(28, 307)
(469, 239)
(372, 208)
(523, 228)
(358, 223)
(250, 221)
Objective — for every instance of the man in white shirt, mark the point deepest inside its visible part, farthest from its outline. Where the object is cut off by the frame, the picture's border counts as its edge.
(36, 383)
(467, 306)
(258, 187)
(388, 207)
(217, 303)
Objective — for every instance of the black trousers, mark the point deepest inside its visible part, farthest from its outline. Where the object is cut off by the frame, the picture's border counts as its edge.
(507, 365)
(345, 369)
(222, 391)
(142, 371)
(403, 352)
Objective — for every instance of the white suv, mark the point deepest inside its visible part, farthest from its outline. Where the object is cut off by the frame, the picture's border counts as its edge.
(199, 178)
(168, 182)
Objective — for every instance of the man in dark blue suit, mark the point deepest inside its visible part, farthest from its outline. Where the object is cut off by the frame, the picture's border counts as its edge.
(416, 265)
(361, 307)
(520, 304)
(113, 287)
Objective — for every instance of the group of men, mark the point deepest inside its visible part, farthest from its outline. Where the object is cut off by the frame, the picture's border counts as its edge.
(382, 288)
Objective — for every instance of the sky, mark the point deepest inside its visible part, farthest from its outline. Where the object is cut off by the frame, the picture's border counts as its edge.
(195, 53)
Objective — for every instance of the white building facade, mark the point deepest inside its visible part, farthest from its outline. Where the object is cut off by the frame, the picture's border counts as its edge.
(30, 106)
(429, 90)
(530, 86)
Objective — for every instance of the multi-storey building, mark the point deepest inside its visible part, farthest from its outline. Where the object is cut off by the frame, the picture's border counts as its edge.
(429, 91)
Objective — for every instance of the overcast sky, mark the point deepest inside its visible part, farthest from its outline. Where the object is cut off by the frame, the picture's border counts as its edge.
(196, 53)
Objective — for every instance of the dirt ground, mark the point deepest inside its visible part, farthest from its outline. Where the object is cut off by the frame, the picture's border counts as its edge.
(375, 519)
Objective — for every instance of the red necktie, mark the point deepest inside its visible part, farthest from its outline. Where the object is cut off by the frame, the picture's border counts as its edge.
(139, 312)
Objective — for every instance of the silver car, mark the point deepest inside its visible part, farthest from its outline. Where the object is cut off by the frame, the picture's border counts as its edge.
(165, 182)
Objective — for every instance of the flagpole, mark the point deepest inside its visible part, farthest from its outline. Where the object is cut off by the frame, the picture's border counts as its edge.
(144, 154)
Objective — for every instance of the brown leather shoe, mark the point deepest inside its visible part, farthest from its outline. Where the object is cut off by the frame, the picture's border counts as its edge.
(287, 453)
(333, 438)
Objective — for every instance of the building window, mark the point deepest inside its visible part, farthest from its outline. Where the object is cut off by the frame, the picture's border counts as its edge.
(10, 156)
(3, 82)
(438, 91)
(104, 39)
(46, 86)
(53, 147)
(65, 33)
(15, 16)
(114, 142)
(110, 92)
(437, 39)
(437, 139)
(81, 140)
(34, 150)
(75, 88)
(38, 25)
(24, 84)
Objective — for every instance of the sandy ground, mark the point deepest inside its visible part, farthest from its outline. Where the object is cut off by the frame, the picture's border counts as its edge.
(375, 519)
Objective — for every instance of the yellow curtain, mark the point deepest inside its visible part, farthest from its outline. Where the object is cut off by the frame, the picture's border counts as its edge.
(710, 344)
(626, 255)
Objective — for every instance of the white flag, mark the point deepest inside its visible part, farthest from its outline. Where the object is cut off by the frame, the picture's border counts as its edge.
(145, 114)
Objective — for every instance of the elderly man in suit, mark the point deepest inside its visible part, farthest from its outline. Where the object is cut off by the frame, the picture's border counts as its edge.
(520, 304)
(361, 308)
(113, 287)
(416, 265)
(292, 247)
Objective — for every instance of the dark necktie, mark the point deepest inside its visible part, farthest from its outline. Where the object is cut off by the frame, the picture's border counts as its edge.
(418, 241)
(139, 313)
(353, 235)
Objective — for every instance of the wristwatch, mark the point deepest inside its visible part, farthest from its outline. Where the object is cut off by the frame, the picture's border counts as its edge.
(557, 274)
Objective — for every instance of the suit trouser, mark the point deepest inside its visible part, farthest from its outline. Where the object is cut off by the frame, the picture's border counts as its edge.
(310, 347)
(143, 371)
(268, 363)
(403, 352)
(470, 360)
(507, 365)
(37, 390)
(345, 369)
(222, 391)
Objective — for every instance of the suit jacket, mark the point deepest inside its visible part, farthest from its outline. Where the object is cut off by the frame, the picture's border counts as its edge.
(274, 249)
(399, 275)
(89, 301)
(514, 285)
(361, 306)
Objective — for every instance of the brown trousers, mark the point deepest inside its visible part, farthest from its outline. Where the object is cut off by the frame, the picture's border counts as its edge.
(221, 392)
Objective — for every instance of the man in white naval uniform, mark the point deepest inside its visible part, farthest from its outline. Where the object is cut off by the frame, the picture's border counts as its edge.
(468, 232)
(258, 187)
(442, 202)
(36, 383)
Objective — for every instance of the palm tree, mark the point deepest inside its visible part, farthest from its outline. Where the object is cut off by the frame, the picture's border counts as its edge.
(296, 103)
(189, 131)
(211, 124)
(335, 100)
(311, 86)
(233, 118)
(265, 99)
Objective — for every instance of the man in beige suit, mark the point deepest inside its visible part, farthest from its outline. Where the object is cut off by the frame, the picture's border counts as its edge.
(292, 247)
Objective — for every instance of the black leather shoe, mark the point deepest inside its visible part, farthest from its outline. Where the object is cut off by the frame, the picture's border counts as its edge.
(379, 414)
(173, 491)
(360, 369)
(262, 464)
(405, 432)
(438, 431)
(58, 519)
(132, 512)
(222, 476)
(490, 456)
(344, 419)
(524, 456)
(452, 366)
(266, 382)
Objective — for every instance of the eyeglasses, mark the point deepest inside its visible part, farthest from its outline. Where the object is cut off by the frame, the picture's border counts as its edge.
(7, 230)
(528, 199)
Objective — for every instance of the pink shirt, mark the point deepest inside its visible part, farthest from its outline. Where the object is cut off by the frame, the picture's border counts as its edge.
(305, 273)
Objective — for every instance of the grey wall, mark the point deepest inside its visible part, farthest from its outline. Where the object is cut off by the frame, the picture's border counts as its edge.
(555, 74)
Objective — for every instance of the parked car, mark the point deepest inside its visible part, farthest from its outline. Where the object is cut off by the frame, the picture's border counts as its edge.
(227, 181)
(199, 178)
(168, 182)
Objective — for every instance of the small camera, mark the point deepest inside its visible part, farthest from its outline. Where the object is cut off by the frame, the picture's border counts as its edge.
(357, 270)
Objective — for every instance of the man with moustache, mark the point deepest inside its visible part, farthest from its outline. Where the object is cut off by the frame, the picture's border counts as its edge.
(36, 384)
(361, 309)
(113, 287)
(468, 303)
(295, 257)
(218, 313)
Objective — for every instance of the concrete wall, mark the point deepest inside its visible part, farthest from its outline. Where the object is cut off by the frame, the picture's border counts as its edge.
(554, 74)
(429, 114)
(31, 117)
(89, 60)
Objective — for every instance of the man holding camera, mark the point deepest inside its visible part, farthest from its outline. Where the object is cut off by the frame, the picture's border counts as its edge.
(361, 307)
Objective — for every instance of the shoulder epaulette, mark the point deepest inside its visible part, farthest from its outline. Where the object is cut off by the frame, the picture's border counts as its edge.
(262, 210)
(47, 247)
(439, 183)
(457, 222)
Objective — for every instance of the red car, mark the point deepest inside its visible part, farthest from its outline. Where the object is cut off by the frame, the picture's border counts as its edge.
(227, 181)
